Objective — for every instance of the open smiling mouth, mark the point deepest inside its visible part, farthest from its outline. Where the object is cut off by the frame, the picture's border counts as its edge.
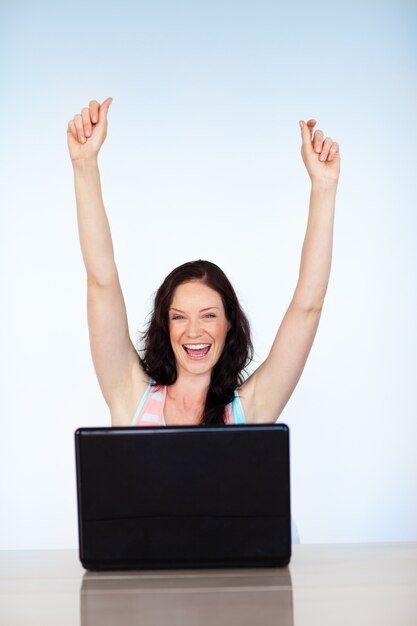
(197, 351)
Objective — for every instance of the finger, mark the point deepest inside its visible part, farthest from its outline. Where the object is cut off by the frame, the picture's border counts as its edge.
(318, 140)
(94, 107)
(79, 126)
(104, 108)
(85, 114)
(325, 149)
(311, 124)
(72, 129)
(306, 136)
(334, 151)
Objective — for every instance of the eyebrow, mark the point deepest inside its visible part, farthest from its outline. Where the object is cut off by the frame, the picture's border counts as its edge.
(206, 309)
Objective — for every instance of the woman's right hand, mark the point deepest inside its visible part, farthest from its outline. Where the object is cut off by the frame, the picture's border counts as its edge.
(88, 130)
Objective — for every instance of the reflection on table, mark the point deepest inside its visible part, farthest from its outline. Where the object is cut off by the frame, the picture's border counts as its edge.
(188, 597)
(327, 585)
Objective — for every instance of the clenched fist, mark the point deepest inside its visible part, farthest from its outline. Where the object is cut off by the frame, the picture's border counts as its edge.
(321, 156)
(88, 130)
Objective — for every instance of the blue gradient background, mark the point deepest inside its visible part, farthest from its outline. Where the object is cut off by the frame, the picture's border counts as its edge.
(202, 160)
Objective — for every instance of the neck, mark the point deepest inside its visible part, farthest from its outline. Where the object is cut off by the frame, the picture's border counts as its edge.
(189, 390)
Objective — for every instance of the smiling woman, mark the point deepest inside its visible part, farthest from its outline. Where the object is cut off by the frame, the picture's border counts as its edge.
(197, 344)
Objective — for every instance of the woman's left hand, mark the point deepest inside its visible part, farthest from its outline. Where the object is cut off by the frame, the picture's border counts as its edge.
(320, 155)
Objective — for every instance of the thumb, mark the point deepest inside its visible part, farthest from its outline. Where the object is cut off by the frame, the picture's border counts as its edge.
(306, 136)
(104, 109)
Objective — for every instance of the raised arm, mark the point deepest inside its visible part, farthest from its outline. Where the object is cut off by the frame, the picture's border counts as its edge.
(114, 356)
(269, 388)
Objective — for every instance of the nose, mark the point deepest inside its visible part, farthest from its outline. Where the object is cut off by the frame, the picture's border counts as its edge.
(194, 328)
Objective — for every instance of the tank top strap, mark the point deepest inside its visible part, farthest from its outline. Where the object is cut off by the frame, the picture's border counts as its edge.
(228, 417)
(151, 407)
(234, 411)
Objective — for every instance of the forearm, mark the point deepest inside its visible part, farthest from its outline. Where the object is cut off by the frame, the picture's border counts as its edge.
(316, 254)
(93, 226)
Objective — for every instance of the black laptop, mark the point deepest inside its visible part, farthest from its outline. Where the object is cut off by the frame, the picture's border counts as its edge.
(183, 496)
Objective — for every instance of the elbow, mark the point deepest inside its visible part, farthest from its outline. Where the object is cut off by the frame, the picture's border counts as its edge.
(93, 280)
(311, 306)
(316, 308)
(308, 299)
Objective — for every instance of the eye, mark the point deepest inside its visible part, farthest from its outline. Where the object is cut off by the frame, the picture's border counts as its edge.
(210, 315)
(177, 317)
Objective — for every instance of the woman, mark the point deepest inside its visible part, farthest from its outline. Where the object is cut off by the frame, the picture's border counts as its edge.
(198, 340)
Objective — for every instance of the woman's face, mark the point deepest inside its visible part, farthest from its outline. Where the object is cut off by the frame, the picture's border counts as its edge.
(197, 326)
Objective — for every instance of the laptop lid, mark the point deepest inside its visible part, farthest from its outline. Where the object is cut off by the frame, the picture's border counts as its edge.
(183, 496)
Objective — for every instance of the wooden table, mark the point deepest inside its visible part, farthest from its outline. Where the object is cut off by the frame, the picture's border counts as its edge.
(335, 584)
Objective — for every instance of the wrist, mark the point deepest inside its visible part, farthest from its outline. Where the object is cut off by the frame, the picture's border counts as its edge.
(324, 185)
(85, 165)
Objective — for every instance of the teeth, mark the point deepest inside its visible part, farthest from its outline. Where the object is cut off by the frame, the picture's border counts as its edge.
(198, 346)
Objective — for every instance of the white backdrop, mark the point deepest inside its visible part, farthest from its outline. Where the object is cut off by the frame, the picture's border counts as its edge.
(202, 160)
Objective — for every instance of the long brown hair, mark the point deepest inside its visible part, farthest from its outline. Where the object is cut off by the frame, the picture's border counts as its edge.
(158, 356)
